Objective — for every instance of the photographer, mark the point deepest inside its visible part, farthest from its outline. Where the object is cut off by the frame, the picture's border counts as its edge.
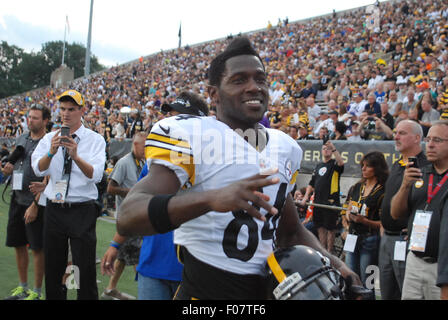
(373, 128)
(325, 185)
(25, 223)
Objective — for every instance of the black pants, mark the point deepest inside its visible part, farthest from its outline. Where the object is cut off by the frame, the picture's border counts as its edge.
(77, 224)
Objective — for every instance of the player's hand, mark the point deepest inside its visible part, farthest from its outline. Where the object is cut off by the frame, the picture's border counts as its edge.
(108, 261)
(238, 195)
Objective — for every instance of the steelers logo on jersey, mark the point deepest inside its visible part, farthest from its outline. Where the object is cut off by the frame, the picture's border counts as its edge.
(322, 171)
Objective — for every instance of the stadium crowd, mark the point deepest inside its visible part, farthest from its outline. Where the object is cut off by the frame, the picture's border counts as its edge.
(350, 76)
(336, 61)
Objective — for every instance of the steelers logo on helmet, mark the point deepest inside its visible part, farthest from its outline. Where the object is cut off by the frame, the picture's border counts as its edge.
(302, 273)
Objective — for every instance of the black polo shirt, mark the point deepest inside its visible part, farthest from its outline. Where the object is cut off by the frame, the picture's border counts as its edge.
(417, 201)
(393, 183)
(326, 182)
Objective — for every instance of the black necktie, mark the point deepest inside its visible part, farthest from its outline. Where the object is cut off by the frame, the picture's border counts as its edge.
(68, 164)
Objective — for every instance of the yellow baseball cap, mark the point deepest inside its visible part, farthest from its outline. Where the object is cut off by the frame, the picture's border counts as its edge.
(74, 95)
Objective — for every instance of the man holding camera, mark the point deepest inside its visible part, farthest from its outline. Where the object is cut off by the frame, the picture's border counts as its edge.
(25, 223)
(74, 160)
(374, 128)
(408, 137)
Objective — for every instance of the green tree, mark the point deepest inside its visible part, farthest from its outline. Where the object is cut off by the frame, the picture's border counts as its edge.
(21, 71)
(10, 58)
(75, 57)
(33, 71)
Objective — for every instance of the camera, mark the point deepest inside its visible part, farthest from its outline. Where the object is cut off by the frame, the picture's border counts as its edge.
(65, 131)
(414, 162)
(14, 156)
(371, 118)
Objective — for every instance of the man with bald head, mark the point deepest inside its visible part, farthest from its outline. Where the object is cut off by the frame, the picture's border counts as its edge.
(408, 137)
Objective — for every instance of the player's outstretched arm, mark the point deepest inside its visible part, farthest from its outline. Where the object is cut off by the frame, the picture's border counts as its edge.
(133, 216)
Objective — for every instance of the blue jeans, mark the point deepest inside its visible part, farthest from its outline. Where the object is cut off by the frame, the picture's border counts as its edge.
(365, 254)
(156, 289)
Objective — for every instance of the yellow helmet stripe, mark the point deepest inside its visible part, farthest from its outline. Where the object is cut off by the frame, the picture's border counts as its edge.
(275, 268)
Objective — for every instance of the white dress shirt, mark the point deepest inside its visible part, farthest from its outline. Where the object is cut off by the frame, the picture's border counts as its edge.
(91, 148)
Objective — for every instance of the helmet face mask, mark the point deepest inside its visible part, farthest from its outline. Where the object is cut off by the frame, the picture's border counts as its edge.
(302, 273)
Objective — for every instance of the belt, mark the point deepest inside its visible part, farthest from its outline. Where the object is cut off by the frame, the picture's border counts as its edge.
(426, 259)
(429, 259)
(72, 204)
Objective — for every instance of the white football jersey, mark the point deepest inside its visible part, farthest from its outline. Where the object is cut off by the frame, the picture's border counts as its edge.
(206, 154)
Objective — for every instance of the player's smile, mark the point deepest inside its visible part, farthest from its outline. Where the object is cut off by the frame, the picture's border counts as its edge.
(243, 92)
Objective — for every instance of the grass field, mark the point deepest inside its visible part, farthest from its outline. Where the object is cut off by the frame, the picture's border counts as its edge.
(8, 270)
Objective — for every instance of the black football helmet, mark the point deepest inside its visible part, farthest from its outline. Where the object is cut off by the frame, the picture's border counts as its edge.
(302, 273)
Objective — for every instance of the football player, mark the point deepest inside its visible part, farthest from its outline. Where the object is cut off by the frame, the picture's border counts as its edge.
(223, 184)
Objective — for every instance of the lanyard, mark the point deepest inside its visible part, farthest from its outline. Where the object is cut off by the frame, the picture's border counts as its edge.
(431, 193)
(138, 164)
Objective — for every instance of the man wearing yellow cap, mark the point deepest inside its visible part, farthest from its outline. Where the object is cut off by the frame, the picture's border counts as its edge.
(75, 163)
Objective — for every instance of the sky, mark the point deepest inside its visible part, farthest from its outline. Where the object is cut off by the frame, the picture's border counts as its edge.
(123, 31)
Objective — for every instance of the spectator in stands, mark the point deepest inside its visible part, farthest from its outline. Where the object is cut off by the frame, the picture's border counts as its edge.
(410, 101)
(339, 131)
(307, 91)
(373, 128)
(293, 132)
(387, 118)
(380, 94)
(373, 105)
(354, 135)
(358, 105)
(429, 114)
(323, 121)
(395, 105)
(313, 109)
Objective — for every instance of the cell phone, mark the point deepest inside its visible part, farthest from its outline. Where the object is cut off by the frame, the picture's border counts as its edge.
(65, 131)
(325, 139)
(414, 162)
